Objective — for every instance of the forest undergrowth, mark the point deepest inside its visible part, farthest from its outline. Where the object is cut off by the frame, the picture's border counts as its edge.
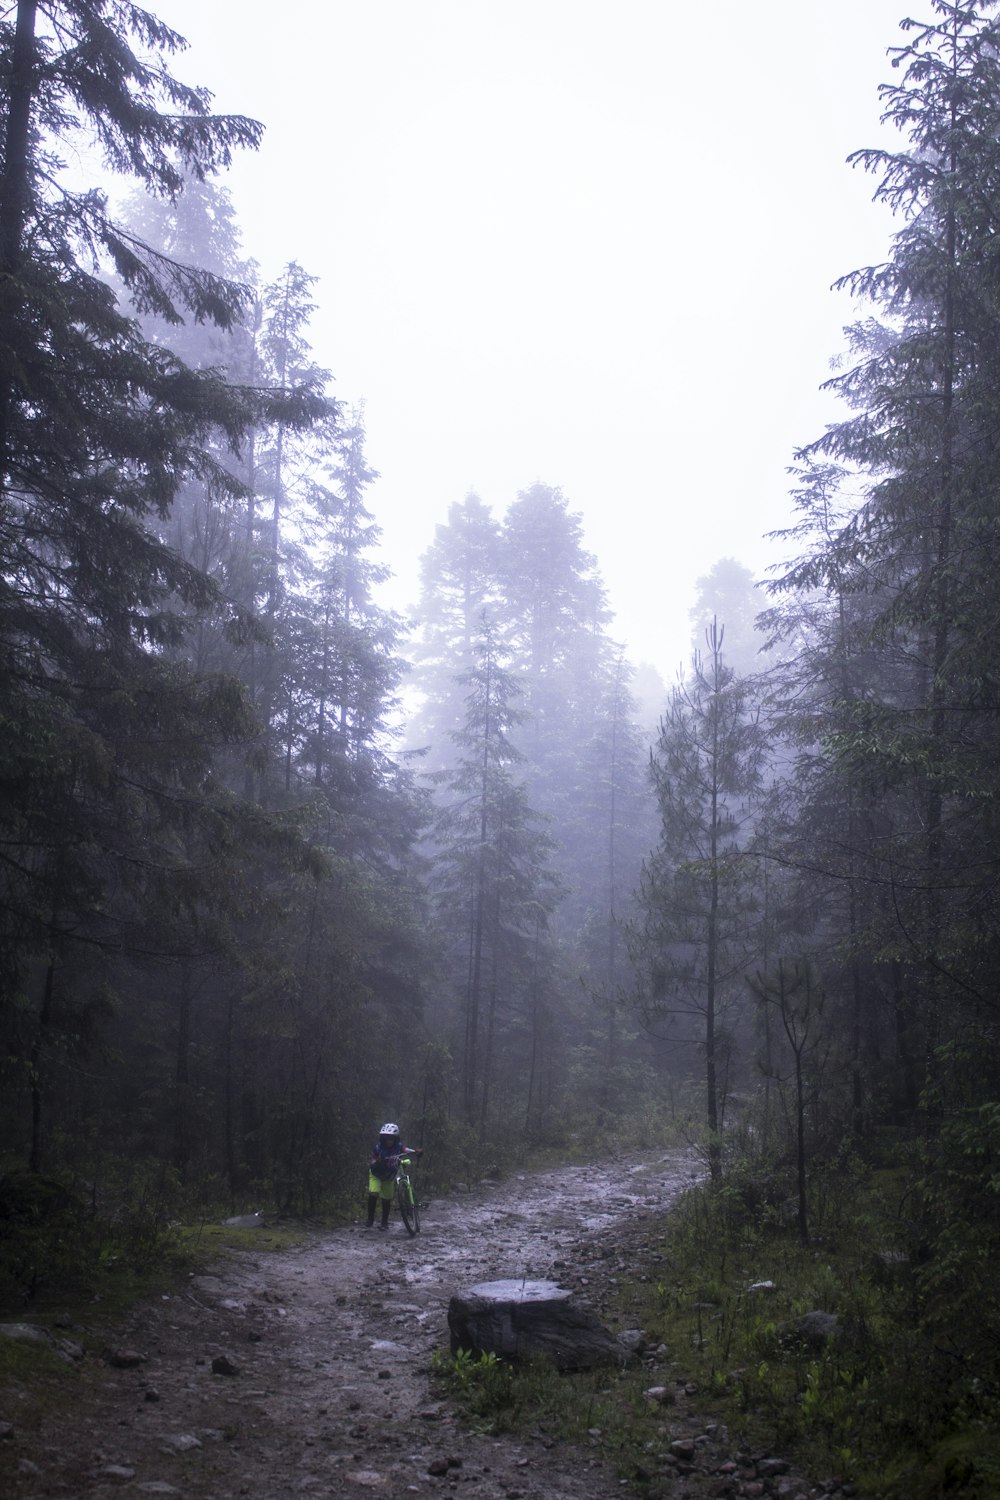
(876, 1389)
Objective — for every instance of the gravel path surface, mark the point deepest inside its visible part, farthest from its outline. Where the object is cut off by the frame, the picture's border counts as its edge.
(305, 1371)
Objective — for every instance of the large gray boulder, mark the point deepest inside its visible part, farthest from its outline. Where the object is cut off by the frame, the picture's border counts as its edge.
(520, 1319)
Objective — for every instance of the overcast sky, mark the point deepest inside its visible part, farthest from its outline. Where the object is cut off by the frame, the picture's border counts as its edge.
(567, 241)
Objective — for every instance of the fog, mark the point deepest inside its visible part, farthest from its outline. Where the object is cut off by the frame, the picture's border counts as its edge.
(560, 243)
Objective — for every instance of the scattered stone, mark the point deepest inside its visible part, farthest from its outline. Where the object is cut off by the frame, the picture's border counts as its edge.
(223, 1365)
(117, 1471)
(763, 1286)
(24, 1333)
(245, 1221)
(151, 1393)
(6, 1432)
(385, 1374)
(818, 1327)
(633, 1339)
(662, 1394)
(124, 1359)
(438, 1467)
(367, 1477)
(772, 1468)
(25, 1466)
(683, 1448)
(181, 1442)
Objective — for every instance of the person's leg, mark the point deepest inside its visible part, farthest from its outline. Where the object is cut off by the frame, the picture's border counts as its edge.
(374, 1192)
(387, 1190)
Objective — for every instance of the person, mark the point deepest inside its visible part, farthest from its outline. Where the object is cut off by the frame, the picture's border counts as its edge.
(382, 1170)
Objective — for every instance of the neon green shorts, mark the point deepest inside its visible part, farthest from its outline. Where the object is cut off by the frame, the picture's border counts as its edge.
(383, 1189)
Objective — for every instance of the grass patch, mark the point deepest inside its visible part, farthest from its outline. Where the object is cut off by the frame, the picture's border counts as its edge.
(888, 1395)
(891, 1398)
(605, 1411)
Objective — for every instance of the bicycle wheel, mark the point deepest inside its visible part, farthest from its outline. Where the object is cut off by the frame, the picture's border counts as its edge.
(407, 1205)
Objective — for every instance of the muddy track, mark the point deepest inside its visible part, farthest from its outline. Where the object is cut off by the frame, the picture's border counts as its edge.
(306, 1371)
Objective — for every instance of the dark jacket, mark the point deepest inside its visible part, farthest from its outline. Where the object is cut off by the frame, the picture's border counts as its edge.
(385, 1159)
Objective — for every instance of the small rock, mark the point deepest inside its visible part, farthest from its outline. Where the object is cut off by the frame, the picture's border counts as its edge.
(818, 1327)
(25, 1333)
(124, 1359)
(385, 1374)
(683, 1448)
(117, 1471)
(662, 1394)
(634, 1339)
(151, 1393)
(25, 1466)
(6, 1432)
(438, 1467)
(223, 1365)
(771, 1468)
(180, 1442)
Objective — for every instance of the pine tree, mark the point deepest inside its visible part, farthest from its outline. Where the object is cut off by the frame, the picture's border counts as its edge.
(693, 940)
(913, 563)
(494, 890)
(459, 589)
(110, 738)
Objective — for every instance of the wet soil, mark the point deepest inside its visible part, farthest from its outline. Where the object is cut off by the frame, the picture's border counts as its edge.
(307, 1371)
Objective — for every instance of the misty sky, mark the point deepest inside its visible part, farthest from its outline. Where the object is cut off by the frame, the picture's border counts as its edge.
(563, 241)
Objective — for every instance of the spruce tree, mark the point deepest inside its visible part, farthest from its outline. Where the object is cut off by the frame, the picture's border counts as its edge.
(494, 890)
(109, 737)
(693, 939)
(914, 563)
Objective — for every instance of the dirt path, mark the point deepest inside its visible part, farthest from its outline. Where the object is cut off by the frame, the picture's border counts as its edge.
(330, 1344)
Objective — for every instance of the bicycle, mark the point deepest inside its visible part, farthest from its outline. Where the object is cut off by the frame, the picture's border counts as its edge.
(409, 1208)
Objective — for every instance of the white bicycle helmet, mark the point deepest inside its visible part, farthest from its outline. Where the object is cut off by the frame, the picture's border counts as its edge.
(389, 1129)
